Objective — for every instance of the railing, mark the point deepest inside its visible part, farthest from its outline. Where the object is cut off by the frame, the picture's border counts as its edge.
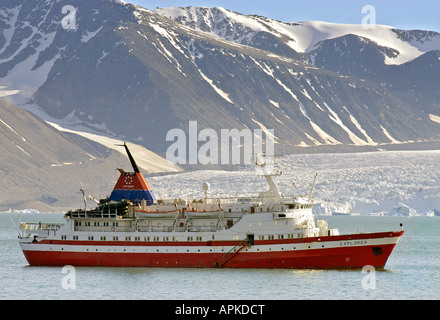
(32, 226)
(231, 253)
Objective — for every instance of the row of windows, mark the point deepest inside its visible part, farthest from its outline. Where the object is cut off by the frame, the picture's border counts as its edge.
(235, 237)
(300, 206)
(280, 236)
(95, 224)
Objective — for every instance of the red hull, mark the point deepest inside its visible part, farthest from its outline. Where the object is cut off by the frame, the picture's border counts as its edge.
(347, 255)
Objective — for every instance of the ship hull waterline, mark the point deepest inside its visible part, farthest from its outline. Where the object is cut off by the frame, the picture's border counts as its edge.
(330, 252)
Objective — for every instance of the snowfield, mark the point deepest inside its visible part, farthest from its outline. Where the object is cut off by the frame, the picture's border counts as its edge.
(302, 36)
(395, 182)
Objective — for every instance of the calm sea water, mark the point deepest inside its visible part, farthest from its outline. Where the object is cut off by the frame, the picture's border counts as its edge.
(412, 272)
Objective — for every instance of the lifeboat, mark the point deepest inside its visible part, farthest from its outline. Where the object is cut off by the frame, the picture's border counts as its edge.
(158, 212)
(204, 211)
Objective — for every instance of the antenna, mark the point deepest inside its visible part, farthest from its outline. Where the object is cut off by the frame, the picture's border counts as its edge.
(84, 196)
(293, 187)
(19, 234)
(313, 185)
(133, 163)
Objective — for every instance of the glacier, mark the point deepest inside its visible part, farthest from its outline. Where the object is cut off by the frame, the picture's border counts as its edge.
(387, 182)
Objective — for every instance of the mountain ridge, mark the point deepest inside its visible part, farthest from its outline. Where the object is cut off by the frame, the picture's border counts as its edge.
(135, 73)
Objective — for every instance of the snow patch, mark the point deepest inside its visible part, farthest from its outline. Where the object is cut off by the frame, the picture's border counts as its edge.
(434, 118)
(266, 131)
(10, 128)
(389, 135)
(328, 139)
(89, 35)
(220, 92)
(276, 104)
(23, 151)
(334, 116)
(145, 158)
(27, 79)
(168, 34)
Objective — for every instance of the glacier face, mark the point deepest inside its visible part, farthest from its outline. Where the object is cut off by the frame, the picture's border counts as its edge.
(363, 183)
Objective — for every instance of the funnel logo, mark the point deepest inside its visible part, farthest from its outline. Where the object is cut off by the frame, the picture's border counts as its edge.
(128, 182)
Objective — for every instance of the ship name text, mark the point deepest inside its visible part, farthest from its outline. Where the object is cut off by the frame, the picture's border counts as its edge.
(353, 243)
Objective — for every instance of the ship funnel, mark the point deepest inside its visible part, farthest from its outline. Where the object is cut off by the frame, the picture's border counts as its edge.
(132, 185)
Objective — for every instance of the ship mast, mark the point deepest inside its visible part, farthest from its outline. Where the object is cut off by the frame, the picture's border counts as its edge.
(268, 171)
(133, 163)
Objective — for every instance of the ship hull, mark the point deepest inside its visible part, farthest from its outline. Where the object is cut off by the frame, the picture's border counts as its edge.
(329, 252)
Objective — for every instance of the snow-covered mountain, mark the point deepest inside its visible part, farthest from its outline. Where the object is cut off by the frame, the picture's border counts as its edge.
(302, 37)
(133, 73)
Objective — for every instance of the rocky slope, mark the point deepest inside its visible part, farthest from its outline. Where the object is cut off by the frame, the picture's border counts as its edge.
(133, 73)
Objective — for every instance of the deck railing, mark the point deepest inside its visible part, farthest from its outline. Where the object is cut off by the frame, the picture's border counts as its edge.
(38, 226)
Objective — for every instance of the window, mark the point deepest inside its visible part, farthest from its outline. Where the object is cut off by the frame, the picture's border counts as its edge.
(63, 237)
(115, 238)
(75, 237)
(103, 238)
(90, 237)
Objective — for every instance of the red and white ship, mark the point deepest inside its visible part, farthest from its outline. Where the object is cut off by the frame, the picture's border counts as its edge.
(133, 229)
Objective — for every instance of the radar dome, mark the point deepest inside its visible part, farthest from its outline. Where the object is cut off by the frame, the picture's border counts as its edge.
(206, 186)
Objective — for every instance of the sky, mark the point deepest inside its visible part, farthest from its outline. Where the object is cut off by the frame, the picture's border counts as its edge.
(402, 14)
